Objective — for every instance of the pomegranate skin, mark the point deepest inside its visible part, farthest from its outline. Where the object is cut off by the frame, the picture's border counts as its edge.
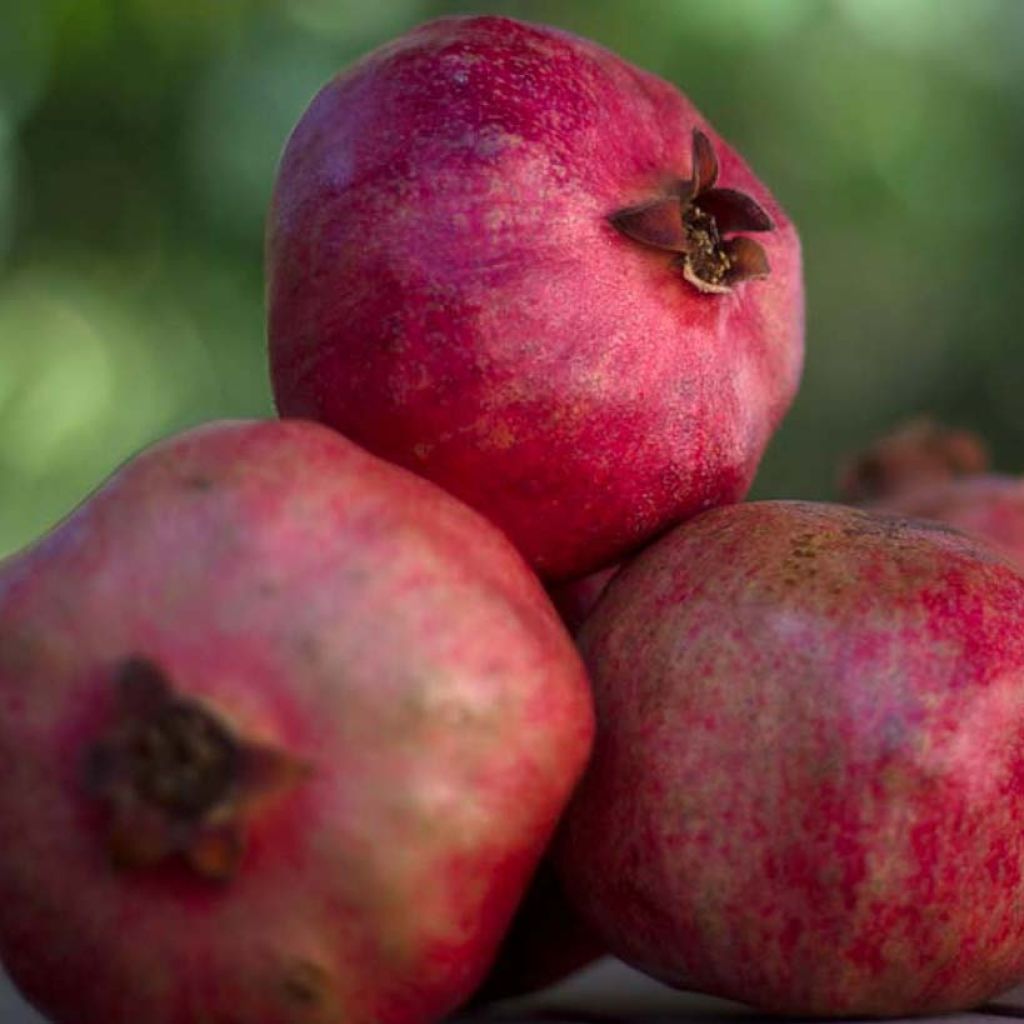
(807, 787)
(336, 610)
(446, 287)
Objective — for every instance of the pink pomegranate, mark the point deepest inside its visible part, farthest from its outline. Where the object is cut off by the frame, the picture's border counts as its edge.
(807, 788)
(508, 260)
(283, 733)
(930, 471)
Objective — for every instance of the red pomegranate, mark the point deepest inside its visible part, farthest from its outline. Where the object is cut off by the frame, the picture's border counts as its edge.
(506, 259)
(283, 733)
(807, 788)
(546, 942)
(931, 471)
(575, 599)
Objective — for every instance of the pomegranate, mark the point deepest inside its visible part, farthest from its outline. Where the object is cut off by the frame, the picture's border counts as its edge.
(506, 259)
(575, 599)
(546, 942)
(284, 731)
(807, 788)
(930, 471)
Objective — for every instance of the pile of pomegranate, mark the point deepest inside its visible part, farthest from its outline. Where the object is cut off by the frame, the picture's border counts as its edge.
(475, 665)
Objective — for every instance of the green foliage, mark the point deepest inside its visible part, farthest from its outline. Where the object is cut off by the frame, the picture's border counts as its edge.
(138, 141)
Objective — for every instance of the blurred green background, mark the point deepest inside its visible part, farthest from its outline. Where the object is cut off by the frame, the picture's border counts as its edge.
(139, 138)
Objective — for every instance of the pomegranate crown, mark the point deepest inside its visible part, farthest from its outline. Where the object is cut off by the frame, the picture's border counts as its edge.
(692, 221)
(176, 779)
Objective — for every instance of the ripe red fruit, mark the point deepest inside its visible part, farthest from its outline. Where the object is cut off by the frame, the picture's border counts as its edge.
(934, 472)
(283, 733)
(508, 260)
(807, 788)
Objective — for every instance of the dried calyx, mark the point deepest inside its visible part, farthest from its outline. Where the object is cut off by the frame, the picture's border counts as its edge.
(176, 780)
(692, 221)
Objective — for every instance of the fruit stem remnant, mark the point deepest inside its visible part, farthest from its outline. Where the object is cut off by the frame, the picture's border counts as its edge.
(176, 780)
(692, 221)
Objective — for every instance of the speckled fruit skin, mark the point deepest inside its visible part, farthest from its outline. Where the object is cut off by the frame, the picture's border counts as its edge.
(343, 611)
(445, 288)
(807, 788)
(990, 506)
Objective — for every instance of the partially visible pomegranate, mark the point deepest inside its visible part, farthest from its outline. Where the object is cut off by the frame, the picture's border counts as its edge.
(506, 259)
(807, 789)
(918, 454)
(283, 733)
(933, 472)
(575, 599)
(546, 942)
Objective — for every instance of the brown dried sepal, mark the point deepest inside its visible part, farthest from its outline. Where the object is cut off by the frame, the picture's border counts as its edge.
(177, 781)
(692, 221)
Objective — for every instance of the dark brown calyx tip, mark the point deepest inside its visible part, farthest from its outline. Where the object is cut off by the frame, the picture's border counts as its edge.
(692, 222)
(176, 779)
(920, 452)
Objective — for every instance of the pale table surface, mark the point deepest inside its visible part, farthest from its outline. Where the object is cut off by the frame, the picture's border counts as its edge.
(610, 993)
